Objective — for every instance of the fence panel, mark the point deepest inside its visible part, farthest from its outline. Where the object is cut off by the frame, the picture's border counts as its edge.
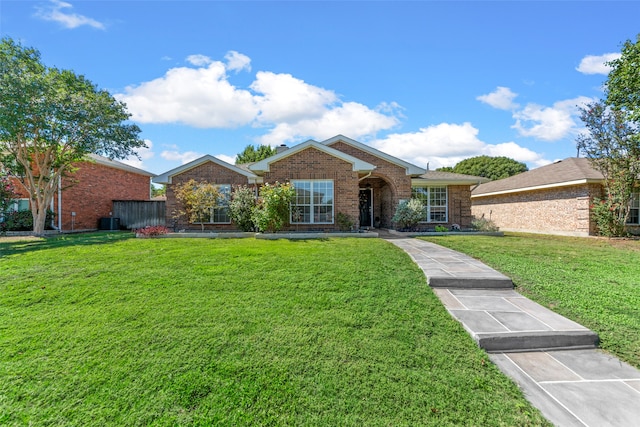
(137, 214)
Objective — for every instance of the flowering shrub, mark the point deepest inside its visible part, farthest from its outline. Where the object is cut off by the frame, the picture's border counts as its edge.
(151, 231)
(408, 214)
(243, 202)
(7, 194)
(272, 210)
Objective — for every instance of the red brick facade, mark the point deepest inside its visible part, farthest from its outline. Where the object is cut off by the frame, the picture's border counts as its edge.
(561, 210)
(90, 192)
(376, 175)
(207, 172)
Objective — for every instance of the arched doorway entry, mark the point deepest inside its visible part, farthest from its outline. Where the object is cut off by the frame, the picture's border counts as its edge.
(376, 202)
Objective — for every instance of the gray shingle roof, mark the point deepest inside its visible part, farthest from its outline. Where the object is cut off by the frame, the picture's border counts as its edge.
(572, 169)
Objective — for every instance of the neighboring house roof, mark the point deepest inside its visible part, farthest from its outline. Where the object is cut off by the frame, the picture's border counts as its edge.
(448, 178)
(105, 161)
(166, 177)
(411, 168)
(570, 171)
(358, 165)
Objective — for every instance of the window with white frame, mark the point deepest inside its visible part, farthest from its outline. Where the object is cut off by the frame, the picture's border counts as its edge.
(220, 213)
(20, 205)
(313, 202)
(634, 211)
(434, 200)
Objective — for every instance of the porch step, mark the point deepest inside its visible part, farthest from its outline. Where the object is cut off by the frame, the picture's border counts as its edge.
(505, 321)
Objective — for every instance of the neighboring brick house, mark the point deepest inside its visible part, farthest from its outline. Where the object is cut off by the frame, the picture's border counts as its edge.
(552, 199)
(87, 195)
(339, 175)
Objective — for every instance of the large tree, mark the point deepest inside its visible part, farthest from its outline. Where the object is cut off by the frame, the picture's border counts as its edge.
(51, 119)
(623, 82)
(252, 154)
(488, 167)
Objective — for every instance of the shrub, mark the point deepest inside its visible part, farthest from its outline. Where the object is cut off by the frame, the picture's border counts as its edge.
(345, 223)
(241, 207)
(198, 199)
(151, 230)
(23, 221)
(408, 214)
(441, 228)
(272, 209)
(609, 217)
(483, 224)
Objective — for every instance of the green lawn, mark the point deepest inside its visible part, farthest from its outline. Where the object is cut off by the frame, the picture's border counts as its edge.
(594, 281)
(105, 329)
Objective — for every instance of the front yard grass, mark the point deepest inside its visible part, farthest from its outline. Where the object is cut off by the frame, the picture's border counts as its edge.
(104, 329)
(593, 281)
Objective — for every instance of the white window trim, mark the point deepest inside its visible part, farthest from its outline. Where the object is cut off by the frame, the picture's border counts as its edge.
(427, 206)
(312, 205)
(635, 197)
(210, 222)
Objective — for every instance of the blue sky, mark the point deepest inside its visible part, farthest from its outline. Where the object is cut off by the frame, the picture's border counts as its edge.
(429, 82)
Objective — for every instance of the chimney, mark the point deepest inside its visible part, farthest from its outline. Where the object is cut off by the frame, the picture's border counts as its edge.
(280, 148)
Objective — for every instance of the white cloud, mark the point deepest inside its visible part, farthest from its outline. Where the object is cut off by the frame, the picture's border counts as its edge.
(56, 11)
(550, 123)
(446, 144)
(229, 159)
(501, 98)
(200, 97)
(596, 64)
(287, 106)
(199, 60)
(350, 118)
(182, 157)
(144, 154)
(237, 61)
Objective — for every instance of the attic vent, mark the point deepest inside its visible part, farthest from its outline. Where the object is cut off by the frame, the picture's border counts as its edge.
(280, 148)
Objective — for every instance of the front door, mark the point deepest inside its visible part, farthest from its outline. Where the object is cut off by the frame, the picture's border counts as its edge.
(366, 207)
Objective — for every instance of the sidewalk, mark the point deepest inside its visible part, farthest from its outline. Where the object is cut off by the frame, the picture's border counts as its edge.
(553, 359)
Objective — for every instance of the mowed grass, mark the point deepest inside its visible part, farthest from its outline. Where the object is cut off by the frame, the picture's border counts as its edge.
(105, 329)
(593, 281)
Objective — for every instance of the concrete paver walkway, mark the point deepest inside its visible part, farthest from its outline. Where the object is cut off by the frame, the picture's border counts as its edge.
(553, 359)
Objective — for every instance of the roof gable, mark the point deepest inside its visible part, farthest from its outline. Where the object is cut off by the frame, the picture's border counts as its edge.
(570, 171)
(166, 177)
(410, 168)
(105, 161)
(358, 165)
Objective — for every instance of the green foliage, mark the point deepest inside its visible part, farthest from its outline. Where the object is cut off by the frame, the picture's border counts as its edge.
(51, 119)
(441, 228)
(344, 221)
(408, 214)
(272, 210)
(623, 82)
(488, 167)
(483, 224)
(151, 231)
(23, 221)
(241, 207)
(197, 200)
(106, 329)
(612, 145)
(252, 154)
(158, 191)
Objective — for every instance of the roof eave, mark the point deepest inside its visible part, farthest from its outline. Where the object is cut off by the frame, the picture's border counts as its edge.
(540, 187)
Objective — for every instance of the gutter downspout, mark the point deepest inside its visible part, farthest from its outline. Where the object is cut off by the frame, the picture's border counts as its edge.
(366, 176)
(476, 186)
(59, 204)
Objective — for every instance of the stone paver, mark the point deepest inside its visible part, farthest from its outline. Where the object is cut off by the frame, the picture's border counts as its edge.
(552, 359)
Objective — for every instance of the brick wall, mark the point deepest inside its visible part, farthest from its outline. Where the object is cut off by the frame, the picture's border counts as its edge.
(562, 210)
(459, 205)
(91, 190)
(208, 172)
(311, 164)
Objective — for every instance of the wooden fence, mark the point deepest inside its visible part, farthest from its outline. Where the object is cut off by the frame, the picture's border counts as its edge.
(137, 214)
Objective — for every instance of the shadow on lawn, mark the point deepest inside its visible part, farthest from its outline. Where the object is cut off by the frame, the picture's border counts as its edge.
(14, 246)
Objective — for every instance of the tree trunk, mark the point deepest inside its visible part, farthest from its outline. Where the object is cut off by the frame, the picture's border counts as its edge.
(39, 219)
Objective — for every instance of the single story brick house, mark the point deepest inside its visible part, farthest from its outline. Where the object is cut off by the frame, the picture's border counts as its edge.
(339, 175)
(87, 195)
(552, 199)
